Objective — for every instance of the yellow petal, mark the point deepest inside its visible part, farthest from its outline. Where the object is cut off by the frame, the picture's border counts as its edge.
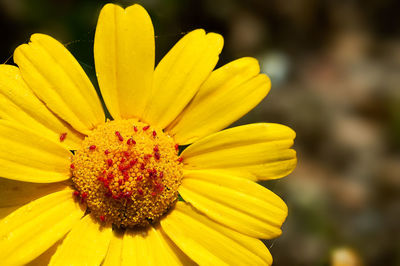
(86, 244)
(35, 227)
(151, 247)
(114, 252)
(27, 156)
(14, 194)
(59, 81)
(124, 56)
(238, 203)
(229, 93)
(256, 151)
(44, 258)
(19, 104)
(179, 75)
(209, 243)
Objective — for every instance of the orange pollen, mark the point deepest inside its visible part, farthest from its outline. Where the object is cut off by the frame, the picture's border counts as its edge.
(127, 183)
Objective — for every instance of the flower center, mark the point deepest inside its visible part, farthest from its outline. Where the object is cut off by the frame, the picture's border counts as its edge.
(127, 173)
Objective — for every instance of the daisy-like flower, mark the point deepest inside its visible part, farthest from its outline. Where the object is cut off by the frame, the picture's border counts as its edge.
(77, 189)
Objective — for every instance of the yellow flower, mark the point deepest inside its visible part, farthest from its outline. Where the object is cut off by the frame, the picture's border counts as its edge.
(114, 199)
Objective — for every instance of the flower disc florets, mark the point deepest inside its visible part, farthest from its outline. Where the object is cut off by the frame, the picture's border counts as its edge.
(127, 173)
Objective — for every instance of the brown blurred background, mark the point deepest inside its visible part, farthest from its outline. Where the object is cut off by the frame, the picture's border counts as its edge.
(335, 70)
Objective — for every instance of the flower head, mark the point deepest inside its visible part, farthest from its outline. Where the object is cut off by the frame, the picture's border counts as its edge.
(80, 189)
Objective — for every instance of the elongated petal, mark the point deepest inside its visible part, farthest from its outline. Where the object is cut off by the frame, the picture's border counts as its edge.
(114, 252)
(238, 203)
(150, 247)
(179, 75)
(124, 56)
(35, 227)
(27, 156)
(255, 151)
(19, 104)
(44, 258)
(14, 194)
(59, 81)
(86, 244)
(209, 243)
(229, 93)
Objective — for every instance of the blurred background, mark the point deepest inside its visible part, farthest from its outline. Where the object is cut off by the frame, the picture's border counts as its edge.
(335, 70)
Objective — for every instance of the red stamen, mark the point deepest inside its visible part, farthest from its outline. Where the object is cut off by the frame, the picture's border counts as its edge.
(120, 138)
(176, 147)
(83, 196)
(135, 128)
(109, 162)
(153, 193)
(123, 160)
(123, 167)
(150, 171)
(142, 166)
(156, 149)
(131, 141)
(63, 136)
(76, 193)
(92, 147)
(154, 133)
(133, 162)
(180, 159)
(159, 187)
(140, 191)
(157, 155)
(102, 218)
(106, 152)
(153, 174)
(146, 128)
(139, 178)
(72, 166)
(126, 176)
